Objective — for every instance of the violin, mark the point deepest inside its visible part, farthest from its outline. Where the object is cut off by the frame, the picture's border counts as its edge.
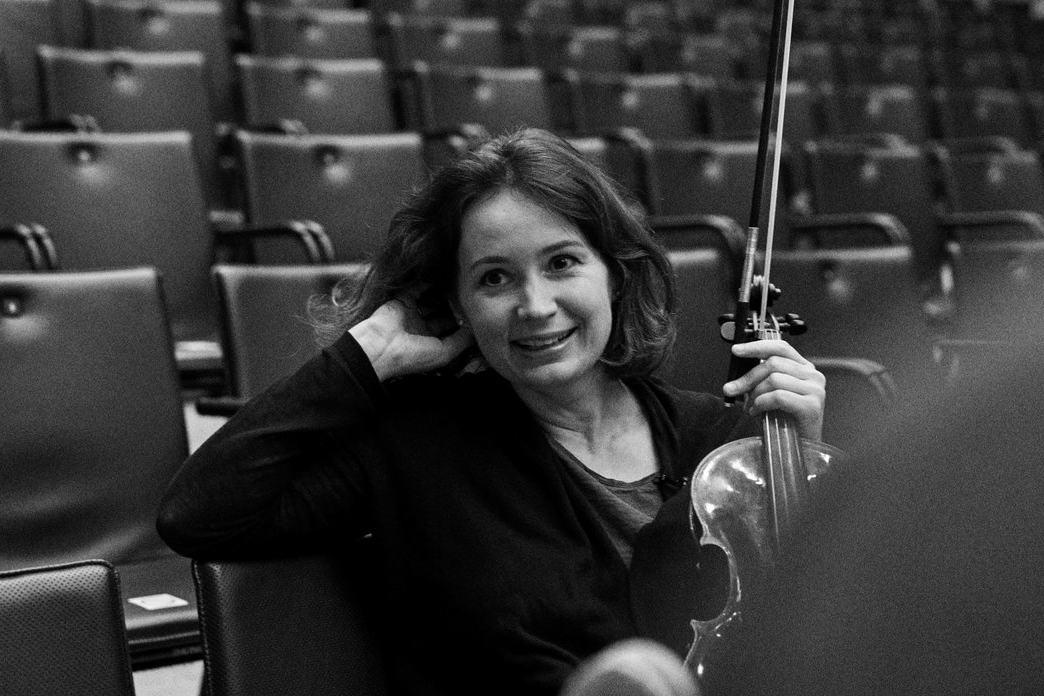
(748, 496)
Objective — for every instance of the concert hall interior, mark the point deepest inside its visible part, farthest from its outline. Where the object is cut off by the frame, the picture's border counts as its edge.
(187, 185)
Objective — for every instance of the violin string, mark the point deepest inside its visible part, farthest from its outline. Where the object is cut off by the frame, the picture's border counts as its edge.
(777, 158)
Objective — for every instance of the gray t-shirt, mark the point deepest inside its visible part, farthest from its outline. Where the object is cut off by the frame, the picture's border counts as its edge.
(624, 507)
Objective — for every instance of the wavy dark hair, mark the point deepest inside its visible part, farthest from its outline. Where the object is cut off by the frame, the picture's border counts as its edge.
(420, 251)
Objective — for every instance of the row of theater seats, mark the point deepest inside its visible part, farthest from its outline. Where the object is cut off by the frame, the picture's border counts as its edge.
(291, 626)
(318, 199)
(550, 45)
(155, 90)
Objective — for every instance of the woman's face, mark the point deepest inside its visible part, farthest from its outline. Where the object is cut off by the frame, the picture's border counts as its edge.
(535, 294)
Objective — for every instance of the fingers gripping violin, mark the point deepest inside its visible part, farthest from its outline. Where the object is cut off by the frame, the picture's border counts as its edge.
(747, 496)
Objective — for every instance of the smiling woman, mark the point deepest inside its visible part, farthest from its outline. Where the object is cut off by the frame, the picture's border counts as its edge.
(484, 409)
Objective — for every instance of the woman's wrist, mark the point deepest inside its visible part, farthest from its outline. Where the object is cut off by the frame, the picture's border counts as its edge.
(374, 343)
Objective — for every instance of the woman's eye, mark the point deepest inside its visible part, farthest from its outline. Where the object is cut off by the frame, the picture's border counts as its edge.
(562, 262)
(493, 278)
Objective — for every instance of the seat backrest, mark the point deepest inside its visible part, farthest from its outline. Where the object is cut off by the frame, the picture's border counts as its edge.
(91, 420)
(118, 199)
(814, 63)
(342, 96)
(963, 69)
(660, 106)
(706, 55)
(583, 48)
(432, 8)
(877, 64)
(289, 626)
(447, 40)
(856, 302)
(734, 110)
(854, 177)
(173, 25)
(862, 109)
(24, 24)
(992, 180)
(706, 287)
(63, 632)
(308, 32)
(271, 301)
(701, 176)
(350, 184)
(136, 91)
(995, 279)
(972, 113)
(499, 99)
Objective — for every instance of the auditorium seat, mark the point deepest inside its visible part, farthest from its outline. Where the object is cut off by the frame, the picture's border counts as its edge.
(582, 48)
(863, 302)
(128, 199)
(304, 625)
(995, 279)
(734, 111)
(957, 69)
(329, 96)
(269, 301)
(135, 91)
(351, 185)
(429, 8)
(63, 631)
(445, 99)
(24, 24)
(814, 63)
(876, 64)
(447, 40)
(862, 109)
(889, 177)
(700, 176)
(92, 430)
(972, 113)
(659, 106)
(310, 32)
(173, 25)
(1006, 181)
(705, 283)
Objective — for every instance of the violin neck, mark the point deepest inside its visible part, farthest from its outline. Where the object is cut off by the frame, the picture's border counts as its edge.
(785, 468)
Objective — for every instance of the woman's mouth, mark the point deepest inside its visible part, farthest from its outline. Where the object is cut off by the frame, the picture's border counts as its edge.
(538, 343)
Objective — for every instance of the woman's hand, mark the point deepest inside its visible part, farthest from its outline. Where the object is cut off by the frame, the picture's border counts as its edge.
(399, 341)
(783, 381)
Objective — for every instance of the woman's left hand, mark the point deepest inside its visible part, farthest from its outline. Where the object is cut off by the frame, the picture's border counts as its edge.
(783, 381)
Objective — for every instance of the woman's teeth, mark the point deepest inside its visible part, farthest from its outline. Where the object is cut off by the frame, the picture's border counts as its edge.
(541, 343)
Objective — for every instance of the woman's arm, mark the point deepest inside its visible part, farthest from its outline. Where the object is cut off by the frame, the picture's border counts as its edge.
(285, 473)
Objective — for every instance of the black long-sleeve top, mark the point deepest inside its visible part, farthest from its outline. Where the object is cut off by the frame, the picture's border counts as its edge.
(496, 573)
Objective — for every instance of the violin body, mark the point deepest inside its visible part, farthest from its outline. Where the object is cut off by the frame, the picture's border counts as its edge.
(732, 498)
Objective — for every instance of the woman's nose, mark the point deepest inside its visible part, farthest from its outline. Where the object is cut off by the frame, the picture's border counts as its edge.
(536, 299)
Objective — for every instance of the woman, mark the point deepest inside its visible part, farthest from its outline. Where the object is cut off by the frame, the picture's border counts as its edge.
(506, 498)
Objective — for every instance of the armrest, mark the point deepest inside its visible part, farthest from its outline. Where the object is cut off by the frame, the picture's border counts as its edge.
(953, 223)
(310, 235)
(39, 248)
(892, 232)
(726, 231)
(873, 373)
(73, 123)
(219, 405)
(23, 236)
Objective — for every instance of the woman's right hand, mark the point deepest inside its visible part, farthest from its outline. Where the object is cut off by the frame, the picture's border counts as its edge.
(399, 341)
